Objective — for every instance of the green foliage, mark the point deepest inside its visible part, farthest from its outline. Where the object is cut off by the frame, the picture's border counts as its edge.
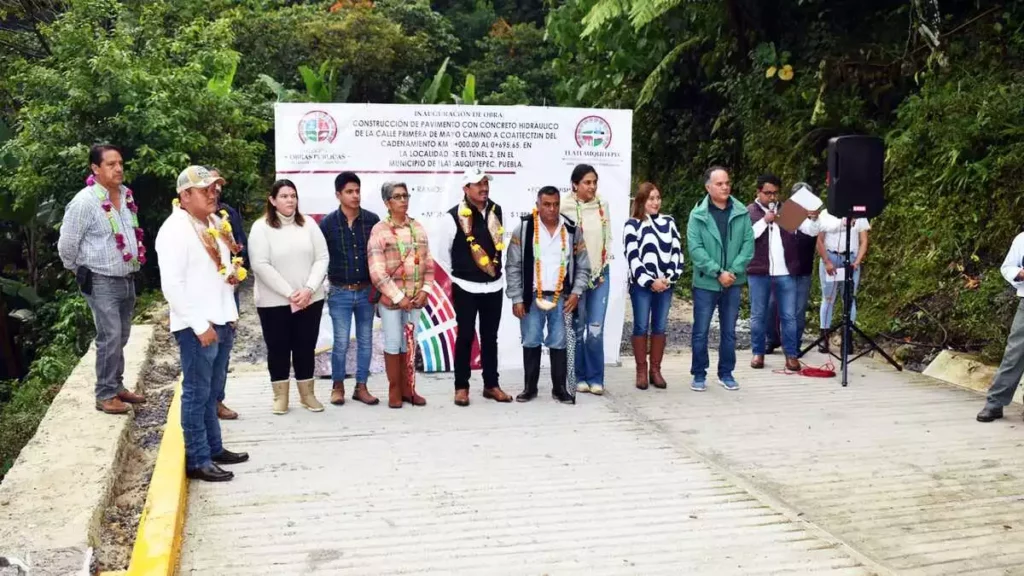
(437, 90)
(519, 49)
(512, 92)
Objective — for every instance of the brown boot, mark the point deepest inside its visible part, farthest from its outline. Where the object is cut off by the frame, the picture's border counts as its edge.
(225, 413)
(393, 367)
(112, 406)
(657, 352)
(792, 364)
(338, 393)
(408, 388)
(131, 397)
(757, 362)
(364, 396)
(640, 355)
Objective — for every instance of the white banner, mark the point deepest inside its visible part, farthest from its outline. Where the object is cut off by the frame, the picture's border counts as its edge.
(428, 148)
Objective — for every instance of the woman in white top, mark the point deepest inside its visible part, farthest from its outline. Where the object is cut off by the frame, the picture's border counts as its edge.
(289, 258)
(655, 258)
(832, 249)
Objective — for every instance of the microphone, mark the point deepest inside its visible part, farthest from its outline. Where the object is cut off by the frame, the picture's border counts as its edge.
(771, 208)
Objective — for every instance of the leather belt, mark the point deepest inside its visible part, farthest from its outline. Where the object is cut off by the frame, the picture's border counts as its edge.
(353, 287)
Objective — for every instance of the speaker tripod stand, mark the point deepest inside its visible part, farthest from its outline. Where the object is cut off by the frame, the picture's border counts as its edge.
(846, 325)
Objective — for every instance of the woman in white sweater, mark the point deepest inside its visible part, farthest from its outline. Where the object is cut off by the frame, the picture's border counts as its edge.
(655, 259)
(289, 258)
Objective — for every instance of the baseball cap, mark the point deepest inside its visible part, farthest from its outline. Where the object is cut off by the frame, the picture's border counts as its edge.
(196, 177)
(474, 176)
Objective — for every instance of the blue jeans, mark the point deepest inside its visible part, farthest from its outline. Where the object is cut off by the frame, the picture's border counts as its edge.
(783, 288)
(650, 308)
(238, 306)
(342, 304)
(803, 300)
(532, 326)
(590, 333)
(831, 290)
(393, 325)
(204, 371)
(704, 303)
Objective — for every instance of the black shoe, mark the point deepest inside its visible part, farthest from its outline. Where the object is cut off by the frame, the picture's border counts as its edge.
(210, 473)
(559, 365)
(229, 457)
(989, 414)
(531, 369)
(823, 345)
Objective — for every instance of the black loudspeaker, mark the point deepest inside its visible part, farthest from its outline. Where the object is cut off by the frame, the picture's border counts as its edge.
(855, 166)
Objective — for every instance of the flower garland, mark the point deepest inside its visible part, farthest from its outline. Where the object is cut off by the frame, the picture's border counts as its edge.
(403, 250)
(605, 234)
(115, 228)
(541, 302)
(213, 232)
(483, 261)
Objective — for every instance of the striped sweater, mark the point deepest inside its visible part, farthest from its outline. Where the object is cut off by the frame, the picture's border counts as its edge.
(653, 250)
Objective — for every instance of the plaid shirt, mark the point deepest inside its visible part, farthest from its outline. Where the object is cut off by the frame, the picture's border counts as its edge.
(86, 238)
(385, 259)
(347, 246)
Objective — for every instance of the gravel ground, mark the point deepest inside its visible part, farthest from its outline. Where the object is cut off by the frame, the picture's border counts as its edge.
(128, 496)
(680, 329)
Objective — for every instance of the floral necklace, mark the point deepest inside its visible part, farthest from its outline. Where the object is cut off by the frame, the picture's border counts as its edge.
(483, 261)
(119, 238)
(403, 250)
(541, 302)
(209, 236)
(605, 234)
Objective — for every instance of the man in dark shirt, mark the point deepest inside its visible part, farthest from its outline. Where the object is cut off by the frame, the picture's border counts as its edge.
(238, 233)
(347, 231)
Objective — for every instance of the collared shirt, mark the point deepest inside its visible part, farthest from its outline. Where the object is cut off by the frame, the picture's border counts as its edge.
(835, 233)
(86, 238)
(347, 246)
(551, 255)
(445, 232)
(395, 276)
(1014, 263)
(196, 292)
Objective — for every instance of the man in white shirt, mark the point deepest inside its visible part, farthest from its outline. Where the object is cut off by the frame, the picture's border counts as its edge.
(832, 249)
(551, 244)
(197, 276)
(1011, 369)
(470, 249)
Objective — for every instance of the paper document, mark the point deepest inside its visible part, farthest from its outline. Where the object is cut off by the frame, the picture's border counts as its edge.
(805, 198)
(839, 276)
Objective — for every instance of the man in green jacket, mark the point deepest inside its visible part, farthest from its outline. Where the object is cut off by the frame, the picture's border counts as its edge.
(720, 241)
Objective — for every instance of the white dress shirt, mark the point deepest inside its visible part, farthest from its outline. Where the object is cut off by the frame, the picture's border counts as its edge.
(445, 232)
(551, 255)
(198, 294)
(1013, 263)
(835, 233)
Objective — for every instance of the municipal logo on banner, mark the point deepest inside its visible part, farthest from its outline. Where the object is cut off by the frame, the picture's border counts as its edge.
(317, 127)
(593, 132)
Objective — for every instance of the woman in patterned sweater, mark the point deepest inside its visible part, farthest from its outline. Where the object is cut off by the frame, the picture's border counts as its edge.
(655, 259)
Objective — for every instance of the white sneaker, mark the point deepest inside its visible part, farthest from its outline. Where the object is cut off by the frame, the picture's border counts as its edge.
(597, 389)
(583, 387)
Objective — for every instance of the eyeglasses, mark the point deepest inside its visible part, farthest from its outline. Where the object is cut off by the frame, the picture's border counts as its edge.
(401, 197)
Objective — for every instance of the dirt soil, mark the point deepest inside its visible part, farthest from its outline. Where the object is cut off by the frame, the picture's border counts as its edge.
(128, 496)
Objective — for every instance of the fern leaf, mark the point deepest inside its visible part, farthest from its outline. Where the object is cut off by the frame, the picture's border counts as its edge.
(601, 13)
(657, 76)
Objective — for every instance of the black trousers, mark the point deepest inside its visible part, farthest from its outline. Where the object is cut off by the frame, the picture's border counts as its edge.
(291, 339)
(467, 306)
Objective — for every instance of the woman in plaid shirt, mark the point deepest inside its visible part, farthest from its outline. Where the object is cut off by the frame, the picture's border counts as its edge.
(402, 270)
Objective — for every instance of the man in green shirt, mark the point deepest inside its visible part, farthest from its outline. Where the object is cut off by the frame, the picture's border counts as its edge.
(720, 241)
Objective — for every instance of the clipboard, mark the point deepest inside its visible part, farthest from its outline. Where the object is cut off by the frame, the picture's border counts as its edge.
(792, 216)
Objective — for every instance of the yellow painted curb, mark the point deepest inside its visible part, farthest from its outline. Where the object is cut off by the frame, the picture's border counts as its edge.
(158, 540)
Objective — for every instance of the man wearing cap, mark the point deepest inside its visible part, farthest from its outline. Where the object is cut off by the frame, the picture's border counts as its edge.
(471, 241)
(197, 276)
(100, 240)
